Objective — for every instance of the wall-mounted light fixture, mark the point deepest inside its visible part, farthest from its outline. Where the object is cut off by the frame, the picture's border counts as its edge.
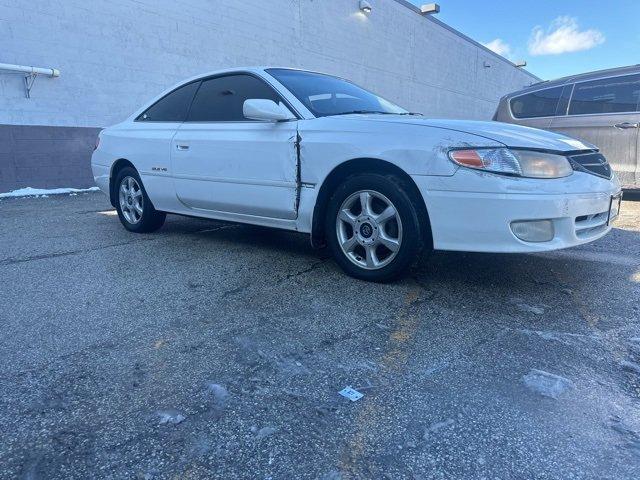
(521, 63)
(430, 9)
(365, 6)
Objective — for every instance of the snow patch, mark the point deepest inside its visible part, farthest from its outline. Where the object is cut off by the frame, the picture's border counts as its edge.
(170, 416)
(44, 193)
(546, 384)
(264, 432)
(523, 307)
(630, 437)
(436, 427)
(566, 338)
(630, 367)
(220, 394)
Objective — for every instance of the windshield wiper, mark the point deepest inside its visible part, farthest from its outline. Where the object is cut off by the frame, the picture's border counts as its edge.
(377, 112)
(359, 112)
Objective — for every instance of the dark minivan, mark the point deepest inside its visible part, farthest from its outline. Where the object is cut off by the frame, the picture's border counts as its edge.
(602, 108)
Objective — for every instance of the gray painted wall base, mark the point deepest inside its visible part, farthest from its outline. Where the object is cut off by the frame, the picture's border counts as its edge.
(45, 157)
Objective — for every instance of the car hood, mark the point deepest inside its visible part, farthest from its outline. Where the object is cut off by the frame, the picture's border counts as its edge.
(515, 136)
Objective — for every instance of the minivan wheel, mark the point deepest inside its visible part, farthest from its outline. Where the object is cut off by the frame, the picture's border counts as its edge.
(135, 210)
(373, 229)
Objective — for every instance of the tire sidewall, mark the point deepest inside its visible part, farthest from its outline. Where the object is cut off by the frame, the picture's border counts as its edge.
(392, 188)
(148, 212)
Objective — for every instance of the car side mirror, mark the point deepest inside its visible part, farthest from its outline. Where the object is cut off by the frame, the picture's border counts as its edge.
(265, 110)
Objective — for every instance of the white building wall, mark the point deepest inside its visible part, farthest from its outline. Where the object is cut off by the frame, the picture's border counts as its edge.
(115, 55)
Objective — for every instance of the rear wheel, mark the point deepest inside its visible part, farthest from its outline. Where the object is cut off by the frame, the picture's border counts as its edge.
(373, 227)
(135, 210)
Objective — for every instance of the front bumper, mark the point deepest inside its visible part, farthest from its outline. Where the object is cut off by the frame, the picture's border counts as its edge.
(480, 221)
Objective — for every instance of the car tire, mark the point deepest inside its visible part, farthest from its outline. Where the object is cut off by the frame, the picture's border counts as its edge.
(381, 241)
(135, 210)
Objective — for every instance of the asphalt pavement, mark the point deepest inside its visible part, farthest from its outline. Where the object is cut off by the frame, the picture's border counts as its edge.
(210, 350)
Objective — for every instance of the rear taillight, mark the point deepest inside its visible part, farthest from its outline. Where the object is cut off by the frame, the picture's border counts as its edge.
(95, 147)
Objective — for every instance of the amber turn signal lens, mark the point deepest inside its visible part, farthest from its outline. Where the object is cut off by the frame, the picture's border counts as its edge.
(468, 158)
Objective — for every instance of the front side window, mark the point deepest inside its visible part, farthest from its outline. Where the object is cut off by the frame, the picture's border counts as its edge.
(542, 103)
(172, 107)
(222, 99)
(609, 95)
(325, 95)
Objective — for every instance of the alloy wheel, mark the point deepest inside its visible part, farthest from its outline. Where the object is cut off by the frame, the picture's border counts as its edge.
(131, 200)
(369, 229)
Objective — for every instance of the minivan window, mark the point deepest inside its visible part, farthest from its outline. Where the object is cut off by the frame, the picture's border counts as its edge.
(222, 99)
(608, 95)
(172, 107)
(542, 103)
(563, 103)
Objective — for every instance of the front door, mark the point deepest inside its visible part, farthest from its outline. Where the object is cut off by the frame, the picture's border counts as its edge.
(223, 162)
(604, 112)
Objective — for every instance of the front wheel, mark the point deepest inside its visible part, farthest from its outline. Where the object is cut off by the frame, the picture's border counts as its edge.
(373, 227)
(135, 210)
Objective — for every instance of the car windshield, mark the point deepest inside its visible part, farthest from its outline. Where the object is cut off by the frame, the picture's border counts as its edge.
(325, 95)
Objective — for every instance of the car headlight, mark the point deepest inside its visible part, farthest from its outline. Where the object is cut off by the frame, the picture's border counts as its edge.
(521, 163)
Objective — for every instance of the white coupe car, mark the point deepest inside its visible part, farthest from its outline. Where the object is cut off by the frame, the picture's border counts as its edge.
(317, 154)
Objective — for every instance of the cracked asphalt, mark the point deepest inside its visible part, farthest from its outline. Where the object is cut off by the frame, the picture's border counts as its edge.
(211, 350)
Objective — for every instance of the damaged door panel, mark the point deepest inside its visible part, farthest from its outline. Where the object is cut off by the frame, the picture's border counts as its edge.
(248, 168)
(298, 144)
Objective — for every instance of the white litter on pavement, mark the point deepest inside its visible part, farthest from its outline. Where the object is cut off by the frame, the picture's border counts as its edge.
(547, 384)
(43, 192)
(351, 394)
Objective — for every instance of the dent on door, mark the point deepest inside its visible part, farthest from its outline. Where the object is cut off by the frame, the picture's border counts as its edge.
(244, 168)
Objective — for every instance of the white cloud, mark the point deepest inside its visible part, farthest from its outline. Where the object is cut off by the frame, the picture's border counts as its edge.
(563, 36)
(499, 46)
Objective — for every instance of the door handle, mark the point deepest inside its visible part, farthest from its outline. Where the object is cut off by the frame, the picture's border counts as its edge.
(182, 147)
(625, 125)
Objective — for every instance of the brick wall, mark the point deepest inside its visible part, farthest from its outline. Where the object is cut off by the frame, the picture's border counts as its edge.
(115, 55)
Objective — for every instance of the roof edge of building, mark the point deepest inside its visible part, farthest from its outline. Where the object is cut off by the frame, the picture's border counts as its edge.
(440, 23)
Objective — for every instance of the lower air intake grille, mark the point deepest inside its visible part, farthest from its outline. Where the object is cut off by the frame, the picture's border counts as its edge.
(593, 163)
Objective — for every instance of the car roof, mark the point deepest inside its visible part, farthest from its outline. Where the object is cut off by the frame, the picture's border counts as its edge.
(610, 72)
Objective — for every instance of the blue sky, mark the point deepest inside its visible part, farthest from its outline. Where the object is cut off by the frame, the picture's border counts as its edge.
(555, 37)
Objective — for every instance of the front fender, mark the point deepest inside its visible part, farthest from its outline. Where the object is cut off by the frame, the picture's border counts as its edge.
(417, 150)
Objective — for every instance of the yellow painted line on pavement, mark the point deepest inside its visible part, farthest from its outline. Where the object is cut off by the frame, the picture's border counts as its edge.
(372, 418)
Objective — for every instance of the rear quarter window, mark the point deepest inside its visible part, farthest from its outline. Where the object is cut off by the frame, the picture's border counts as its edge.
(542, 103)
(173, 107)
